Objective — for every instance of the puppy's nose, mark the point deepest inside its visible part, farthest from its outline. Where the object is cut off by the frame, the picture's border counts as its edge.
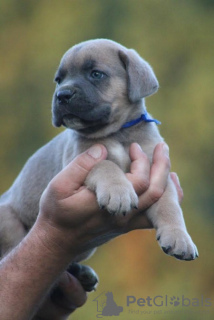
(64, 96)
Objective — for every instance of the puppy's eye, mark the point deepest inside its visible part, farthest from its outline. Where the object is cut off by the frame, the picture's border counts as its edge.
(97, 75)
(57, 80)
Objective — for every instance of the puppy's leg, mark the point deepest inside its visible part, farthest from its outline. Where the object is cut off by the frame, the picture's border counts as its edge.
(12, 230)
(113, 190)
(167, 218)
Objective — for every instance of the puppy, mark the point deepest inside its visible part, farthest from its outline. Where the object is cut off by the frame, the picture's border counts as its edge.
(99, 98)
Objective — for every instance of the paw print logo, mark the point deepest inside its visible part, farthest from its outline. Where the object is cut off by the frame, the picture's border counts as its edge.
(175, 301)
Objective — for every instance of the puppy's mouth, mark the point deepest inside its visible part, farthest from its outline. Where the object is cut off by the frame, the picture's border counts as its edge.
(74, 122)
(85, 120)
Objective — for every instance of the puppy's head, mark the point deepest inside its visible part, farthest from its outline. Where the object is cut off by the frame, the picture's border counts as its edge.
(100, 85)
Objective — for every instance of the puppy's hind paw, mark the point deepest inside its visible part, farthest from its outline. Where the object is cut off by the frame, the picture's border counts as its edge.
(85, 274)
(177, 243)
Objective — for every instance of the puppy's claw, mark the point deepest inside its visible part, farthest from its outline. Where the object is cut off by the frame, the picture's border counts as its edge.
(112, 213)
(179, 256)
(166, 249)
(196, 252)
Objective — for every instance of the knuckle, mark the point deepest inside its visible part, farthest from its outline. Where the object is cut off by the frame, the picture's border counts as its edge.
(145, 158)
(155, 193)
(55, 189)
(143, 185)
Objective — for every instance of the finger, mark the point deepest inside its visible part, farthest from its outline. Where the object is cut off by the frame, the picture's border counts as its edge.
(139, 220)
(72, 293)
(63, 300)
(158, 176)
(139, 170)
(72, 177)
(176, 181)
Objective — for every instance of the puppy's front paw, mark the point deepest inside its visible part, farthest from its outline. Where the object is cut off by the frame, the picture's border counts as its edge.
(177, 243)
(86, 276)
(118, 198)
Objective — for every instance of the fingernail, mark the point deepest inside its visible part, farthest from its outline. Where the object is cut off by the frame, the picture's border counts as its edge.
(95, 152)
(139, 147)
(166, 149)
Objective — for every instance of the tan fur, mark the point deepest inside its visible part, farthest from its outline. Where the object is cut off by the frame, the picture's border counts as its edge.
(112, 101)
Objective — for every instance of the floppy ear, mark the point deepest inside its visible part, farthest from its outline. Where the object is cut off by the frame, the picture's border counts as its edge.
(142, 81)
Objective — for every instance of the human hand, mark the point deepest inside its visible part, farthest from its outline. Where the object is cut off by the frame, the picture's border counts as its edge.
(149, 182)
(62, 300)
(69, 213)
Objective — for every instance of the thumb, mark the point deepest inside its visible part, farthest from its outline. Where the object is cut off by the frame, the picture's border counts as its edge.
(73, 176)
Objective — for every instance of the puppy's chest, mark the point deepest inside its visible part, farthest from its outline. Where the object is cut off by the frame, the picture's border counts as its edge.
(119, 154)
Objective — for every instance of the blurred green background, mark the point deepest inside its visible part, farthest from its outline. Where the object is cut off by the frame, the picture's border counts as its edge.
(177, 38)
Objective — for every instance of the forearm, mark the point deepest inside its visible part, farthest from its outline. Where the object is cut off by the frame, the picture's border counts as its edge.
(26, 275)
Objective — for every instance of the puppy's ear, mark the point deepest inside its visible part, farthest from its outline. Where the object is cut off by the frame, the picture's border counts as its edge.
(142, 81)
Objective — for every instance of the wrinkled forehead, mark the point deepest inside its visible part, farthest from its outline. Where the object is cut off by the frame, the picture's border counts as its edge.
(92, 54)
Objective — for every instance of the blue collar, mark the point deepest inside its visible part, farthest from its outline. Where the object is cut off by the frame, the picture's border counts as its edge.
(143, 117)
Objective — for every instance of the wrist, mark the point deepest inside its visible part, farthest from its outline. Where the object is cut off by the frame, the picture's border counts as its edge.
(54, 242)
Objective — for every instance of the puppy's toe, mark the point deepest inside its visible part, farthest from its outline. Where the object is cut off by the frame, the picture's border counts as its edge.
(177, 243)
(118, 199)
(128, 202)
